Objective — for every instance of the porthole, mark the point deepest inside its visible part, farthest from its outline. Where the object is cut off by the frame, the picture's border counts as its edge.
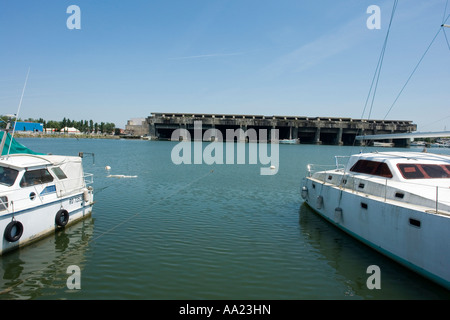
(399, 195)
(414, 222)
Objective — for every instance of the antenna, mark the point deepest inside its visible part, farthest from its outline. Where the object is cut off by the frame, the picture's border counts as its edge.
(18, 110)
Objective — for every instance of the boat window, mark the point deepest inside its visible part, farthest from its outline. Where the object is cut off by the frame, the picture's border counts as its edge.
(372, 167)
(3, 203)
(435, 171)
(410, 171)
(8, 176)
(383, 171)
(59, 173)
(34, 177)
(424, 171)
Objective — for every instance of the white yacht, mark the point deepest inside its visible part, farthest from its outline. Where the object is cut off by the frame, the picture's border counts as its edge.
(40, 194)
(383, 144)
(396, 202)
(289, 141)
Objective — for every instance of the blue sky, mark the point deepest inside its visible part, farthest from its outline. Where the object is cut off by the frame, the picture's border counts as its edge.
(265, 57)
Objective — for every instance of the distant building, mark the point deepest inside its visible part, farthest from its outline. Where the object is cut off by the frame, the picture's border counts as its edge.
(29, 127)
(307, 130)
(137, 127)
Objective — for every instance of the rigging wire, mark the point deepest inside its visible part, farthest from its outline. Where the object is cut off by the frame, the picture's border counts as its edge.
(445, 10)
(434, 122)
(376, 75)
(417, 65)
(443, 25)
(445, 35)
(379, 65)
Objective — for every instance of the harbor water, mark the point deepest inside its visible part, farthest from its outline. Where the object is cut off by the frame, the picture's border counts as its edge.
(198, 231)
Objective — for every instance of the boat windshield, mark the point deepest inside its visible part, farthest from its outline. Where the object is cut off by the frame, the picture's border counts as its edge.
(372, 167)
(33, 177)
(8, 176)
(424, 171)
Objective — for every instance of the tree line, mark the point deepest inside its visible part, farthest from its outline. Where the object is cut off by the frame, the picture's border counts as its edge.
(84, 126)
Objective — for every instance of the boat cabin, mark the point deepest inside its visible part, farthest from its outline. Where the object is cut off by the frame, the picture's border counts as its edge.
(401, 166)
(24, 177)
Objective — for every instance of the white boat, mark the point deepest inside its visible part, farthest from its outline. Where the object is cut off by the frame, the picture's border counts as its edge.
(40, 194)
(289, 141)
(383, 144)
(398, 203)
(418, 144)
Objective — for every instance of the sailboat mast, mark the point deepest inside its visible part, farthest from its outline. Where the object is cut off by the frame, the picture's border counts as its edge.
(18, 110)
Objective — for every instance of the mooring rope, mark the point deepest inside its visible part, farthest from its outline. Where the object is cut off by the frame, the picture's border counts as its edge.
(160, 200)
(33, 273)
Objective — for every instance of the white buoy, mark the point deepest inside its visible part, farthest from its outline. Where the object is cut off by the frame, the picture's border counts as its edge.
(272, 167)
(107, 168)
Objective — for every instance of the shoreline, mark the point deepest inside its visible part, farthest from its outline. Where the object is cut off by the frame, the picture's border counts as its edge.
(64, 136)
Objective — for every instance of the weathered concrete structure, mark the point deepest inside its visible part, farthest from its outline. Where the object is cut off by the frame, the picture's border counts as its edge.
(312, 130)
(137, 127)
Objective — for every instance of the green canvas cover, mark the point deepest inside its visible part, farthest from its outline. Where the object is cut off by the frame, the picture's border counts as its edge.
(16, 147)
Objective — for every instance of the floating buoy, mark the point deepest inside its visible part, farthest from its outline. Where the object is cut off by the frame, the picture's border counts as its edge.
(272, 167)
(107, 168)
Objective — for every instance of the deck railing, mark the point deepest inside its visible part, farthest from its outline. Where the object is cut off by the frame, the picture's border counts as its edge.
(88, 178)
(312, 168)
(435, 197)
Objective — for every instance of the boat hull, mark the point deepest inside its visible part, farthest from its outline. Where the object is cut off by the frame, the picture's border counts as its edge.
(40, 221)
(404, 233)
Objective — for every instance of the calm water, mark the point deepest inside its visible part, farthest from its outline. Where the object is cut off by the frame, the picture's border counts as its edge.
(200, 232)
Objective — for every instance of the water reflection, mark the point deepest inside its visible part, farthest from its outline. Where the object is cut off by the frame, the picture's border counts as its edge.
(349, 259)
(39, 269)
(184, 232)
